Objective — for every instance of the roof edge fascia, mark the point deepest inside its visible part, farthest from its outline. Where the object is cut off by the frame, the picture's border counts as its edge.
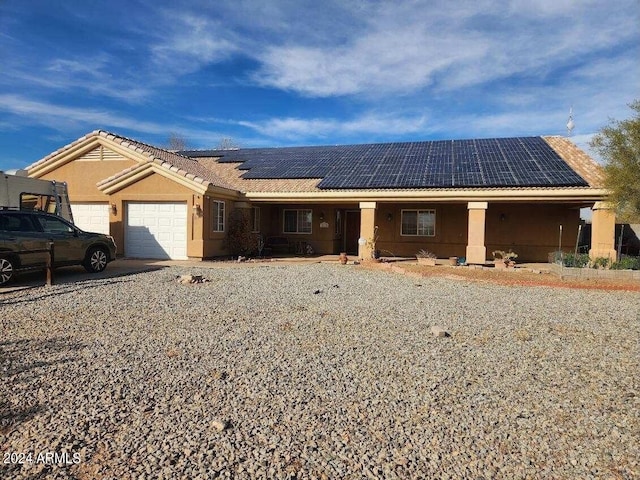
(574, 194)
(126, 178)
(75, 150)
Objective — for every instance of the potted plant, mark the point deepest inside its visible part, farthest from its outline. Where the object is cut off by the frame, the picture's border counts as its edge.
(425, 257)
(502, 259)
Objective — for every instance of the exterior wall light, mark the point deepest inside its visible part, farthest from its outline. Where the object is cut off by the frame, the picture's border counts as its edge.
(321, 216)
(114, 209)
(389, 216)
(197, 210)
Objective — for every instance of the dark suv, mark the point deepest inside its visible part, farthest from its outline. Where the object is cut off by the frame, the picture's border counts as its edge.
(23, 231)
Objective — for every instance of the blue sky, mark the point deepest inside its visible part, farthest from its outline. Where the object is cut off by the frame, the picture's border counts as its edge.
(297, 72)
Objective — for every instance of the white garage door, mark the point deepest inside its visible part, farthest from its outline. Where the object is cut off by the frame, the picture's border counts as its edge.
(91, 217)
(156, 230)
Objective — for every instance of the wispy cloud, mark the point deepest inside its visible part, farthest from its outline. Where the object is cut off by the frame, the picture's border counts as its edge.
(190, 41)
(291, 128)
(411, 45)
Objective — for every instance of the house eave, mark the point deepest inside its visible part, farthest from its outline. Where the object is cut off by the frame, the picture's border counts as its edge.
(127, 178)
(577, 194)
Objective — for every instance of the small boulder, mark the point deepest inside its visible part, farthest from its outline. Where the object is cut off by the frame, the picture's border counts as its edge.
(219, 424)
(438, 331)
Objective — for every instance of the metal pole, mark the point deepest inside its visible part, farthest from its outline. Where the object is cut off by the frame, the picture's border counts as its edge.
(620, 242)
(575, 253)
(560, 242)
(50, 260)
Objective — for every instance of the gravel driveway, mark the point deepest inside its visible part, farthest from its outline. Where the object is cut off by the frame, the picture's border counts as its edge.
(317, 371)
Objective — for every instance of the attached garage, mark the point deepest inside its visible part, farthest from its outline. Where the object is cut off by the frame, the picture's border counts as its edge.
(91, 217)
(156, 230)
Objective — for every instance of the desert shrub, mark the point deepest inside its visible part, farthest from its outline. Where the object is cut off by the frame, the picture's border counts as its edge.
(600, 262)
(240, 240)
(579, 260)
(626, 262)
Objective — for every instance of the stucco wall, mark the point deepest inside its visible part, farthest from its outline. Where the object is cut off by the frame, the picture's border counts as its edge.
(83, 173)
(531, 230)
(450, 233)
(156, 188)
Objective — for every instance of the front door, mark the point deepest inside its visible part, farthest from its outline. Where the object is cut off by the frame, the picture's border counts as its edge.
(352, 231)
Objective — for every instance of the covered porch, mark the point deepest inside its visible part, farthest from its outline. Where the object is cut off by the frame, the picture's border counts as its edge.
(470, 230)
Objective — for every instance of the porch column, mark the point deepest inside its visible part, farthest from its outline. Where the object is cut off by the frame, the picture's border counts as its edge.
(367, 227)
(603, 231)
(476, 250)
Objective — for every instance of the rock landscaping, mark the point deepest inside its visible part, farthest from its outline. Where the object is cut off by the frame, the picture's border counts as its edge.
(318, 371)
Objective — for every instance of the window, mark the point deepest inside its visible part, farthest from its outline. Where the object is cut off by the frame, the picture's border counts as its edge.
(255, 220)
(218, 216)
(419, 223)
(297, 221)
(36, 201)
(53, 225)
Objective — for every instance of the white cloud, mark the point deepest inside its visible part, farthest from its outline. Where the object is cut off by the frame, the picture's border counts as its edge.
(191, 41)
(368, 124)
(407, 46)
(60, 117)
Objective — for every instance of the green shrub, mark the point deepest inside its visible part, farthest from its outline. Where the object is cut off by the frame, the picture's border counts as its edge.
(627, 262)
(600, 262)
(579, 260)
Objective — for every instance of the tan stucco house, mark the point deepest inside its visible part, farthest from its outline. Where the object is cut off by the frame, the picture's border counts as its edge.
(461, 198)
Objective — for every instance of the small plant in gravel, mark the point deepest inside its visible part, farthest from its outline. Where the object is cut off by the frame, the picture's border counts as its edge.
(425, 254)
(508, 258)
(523, 335)
(173, 353)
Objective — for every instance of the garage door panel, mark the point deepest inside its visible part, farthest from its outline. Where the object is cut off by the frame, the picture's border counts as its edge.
(156, 230)
(91, 217)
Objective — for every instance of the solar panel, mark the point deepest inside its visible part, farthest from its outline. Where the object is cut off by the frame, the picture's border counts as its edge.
(524, 161)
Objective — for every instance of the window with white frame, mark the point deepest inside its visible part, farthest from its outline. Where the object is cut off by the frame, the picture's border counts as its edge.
(421, 223)
(297, 221)
(255, 220)
(218, 216)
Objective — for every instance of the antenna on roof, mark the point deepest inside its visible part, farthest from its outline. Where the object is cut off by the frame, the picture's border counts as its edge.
(570, 124)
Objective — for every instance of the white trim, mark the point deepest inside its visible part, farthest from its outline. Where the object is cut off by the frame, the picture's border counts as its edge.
(477, 205)
(489, 195)
(214, 216)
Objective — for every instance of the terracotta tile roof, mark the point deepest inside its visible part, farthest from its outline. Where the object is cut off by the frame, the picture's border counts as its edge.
(185, 166)
(578, 160)
(230, 174)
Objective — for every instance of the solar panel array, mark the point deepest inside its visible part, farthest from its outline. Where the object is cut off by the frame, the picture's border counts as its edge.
(496, 162)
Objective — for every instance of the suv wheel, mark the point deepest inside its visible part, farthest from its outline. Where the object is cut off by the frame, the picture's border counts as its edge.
(6, 270)
(96, 260)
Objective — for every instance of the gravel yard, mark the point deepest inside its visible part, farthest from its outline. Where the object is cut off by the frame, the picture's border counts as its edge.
(318, 371)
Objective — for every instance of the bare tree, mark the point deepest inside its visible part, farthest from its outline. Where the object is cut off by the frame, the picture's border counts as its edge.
(177, 142)
(228, 143)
